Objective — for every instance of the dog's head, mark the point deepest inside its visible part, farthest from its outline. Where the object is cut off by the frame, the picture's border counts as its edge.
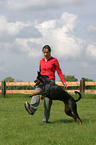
(41, 79)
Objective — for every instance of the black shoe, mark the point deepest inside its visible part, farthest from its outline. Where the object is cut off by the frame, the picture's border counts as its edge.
(27, 107)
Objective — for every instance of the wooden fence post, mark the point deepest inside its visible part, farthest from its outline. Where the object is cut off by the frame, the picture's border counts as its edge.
(3, 88)
(82, 86)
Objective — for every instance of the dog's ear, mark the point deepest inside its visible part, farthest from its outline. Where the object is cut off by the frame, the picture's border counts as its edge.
(38, 73)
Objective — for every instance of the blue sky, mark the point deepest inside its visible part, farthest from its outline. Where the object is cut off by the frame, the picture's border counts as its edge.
(69, 27)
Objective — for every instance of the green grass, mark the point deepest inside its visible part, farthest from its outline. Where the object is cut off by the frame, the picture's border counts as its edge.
(19, 128)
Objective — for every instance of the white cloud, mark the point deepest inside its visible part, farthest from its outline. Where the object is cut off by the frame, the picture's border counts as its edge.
(10, 28)
(14, 37)
(59, 33)
(67, 23)
(11, 32)
(30, 47)
(14, 28)
(91, 51)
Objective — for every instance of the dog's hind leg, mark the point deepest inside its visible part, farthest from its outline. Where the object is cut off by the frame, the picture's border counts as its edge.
(75, 114)
(68, 111)
(73, 107)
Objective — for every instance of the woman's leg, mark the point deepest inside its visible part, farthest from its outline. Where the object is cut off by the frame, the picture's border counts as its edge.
(47, 108)
(33, 106)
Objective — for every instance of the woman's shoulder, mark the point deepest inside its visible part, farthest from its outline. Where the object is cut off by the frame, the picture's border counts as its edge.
(54, 58)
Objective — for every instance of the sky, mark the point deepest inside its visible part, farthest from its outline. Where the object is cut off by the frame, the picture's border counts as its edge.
(68, 27)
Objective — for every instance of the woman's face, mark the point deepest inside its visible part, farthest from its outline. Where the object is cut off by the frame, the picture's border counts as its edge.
(46, 53)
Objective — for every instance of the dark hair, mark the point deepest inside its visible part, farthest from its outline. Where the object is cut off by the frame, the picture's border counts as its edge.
(47, 47)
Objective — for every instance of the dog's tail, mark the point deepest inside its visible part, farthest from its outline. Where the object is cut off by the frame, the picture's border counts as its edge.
(79, 96)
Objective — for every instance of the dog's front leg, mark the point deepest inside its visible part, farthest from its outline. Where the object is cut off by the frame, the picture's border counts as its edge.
(38, 93)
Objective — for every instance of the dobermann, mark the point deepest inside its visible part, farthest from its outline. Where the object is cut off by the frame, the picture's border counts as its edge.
(55, 92)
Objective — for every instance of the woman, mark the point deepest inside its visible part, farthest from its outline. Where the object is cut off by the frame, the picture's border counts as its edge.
(48, 66)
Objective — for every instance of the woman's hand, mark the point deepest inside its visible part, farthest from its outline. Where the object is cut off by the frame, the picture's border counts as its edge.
(65, 85)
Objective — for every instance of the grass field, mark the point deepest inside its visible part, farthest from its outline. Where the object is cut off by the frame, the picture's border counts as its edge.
(19, 128)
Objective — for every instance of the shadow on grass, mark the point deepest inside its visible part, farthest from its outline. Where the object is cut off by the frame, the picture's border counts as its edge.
(67, 121)
(59, 121)
(62, 121)
(84, 121)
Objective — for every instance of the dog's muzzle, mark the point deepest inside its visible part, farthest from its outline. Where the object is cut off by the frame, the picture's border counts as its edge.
(37, 82)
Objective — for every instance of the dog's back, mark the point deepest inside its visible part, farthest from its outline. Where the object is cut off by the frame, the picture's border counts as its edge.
(56, 92)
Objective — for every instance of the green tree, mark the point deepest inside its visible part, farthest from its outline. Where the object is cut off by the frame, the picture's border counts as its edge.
(9, 79)
(86, 79)
(70, 78)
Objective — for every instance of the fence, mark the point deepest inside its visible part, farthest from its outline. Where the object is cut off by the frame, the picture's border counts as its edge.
(82, 84)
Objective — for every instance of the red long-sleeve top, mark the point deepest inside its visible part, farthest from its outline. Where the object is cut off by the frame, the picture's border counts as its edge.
(49, 67)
